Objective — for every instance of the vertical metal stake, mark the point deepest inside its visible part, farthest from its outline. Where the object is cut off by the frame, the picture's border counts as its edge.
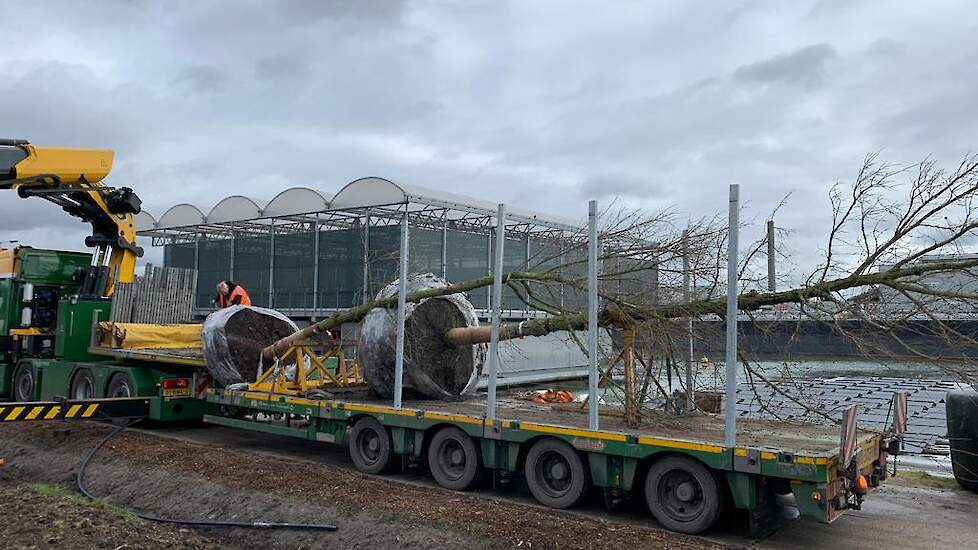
(730, 413)
(315, 269)
(444, 249)
(401, 304)
(366, 258)
(490, 268)
(592, 314)
(496, 305)
(234, 238)
(196, 268)
(771, 283)
(271, 267)
(690, 398)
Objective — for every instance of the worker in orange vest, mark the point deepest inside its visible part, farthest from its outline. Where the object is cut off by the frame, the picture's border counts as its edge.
(230, 294)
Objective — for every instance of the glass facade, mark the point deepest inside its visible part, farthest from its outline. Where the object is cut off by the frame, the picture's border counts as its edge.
(291, 269)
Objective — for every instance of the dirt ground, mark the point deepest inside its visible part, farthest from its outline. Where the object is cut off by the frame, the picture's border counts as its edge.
(183, 479)
(47, 516)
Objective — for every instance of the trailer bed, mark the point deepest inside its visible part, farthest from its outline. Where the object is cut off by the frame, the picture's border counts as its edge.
(781, 436)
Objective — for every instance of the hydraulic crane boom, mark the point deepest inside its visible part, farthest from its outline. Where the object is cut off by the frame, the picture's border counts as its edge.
(72, 179)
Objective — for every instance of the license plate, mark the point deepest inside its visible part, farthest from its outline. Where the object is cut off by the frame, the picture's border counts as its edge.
(176, 392)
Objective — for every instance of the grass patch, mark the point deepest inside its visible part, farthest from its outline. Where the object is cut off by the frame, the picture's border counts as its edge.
(60, 492)
(920, 478)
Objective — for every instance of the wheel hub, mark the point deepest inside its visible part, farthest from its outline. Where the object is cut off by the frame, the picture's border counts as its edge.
(685, 491)
(457, 457)
(373, 444)
(559, 471)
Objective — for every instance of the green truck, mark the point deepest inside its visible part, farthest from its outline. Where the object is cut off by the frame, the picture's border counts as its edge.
(54, 368)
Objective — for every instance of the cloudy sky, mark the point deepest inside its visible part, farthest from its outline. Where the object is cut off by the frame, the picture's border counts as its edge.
(541, 104)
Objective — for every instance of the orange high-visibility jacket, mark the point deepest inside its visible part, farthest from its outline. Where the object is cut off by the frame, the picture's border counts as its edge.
(237, 296)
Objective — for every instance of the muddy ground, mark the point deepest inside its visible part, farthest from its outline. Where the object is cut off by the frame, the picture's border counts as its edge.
(48, 516)
(184, 479)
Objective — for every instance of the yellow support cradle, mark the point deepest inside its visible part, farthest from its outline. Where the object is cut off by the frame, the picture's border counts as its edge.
(310, 373)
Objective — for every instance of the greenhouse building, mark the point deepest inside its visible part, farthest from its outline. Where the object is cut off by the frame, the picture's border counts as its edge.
(308, 254)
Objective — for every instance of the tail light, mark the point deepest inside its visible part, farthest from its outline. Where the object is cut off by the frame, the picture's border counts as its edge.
(175, 383)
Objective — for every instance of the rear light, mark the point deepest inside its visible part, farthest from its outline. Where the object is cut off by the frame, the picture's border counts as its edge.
(862, 486)
(175, 383)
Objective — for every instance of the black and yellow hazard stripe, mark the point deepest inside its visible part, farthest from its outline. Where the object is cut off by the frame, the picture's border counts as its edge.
(46, 411)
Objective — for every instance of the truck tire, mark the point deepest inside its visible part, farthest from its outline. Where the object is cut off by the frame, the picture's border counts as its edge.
(82, 385)
(683, 494)
(961, 409)
(121, 385)
(555, 473)
(371, 446)
(454, 460)
(24, 382)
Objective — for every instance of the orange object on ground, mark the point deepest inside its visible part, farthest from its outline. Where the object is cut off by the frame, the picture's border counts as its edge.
(551, 396)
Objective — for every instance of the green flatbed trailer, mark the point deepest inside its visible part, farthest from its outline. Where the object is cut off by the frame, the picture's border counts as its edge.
(528, 439)
(679, 464)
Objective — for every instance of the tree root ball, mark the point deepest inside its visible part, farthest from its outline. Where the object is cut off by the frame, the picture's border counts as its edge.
(433, 369)
(234, 338)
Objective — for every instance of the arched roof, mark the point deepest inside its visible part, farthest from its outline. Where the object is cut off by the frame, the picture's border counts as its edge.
(181, 215)
(145, 221)
(296, 200)
(368, 192)
(235, 208)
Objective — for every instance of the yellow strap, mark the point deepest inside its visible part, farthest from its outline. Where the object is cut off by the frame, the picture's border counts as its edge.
(90, 410)
(34, 412)
(52, 412)
(72, 411)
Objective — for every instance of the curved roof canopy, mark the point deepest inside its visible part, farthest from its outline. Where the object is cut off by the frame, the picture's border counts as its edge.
(181, 215)
(384, 198)
(235, 208)
(144, 221)
(296, 200)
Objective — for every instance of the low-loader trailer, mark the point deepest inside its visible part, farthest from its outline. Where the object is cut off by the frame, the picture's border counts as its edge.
(55, 365)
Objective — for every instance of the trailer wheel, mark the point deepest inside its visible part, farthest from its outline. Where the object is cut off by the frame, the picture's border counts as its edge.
(121, 385)
(24, 382)
(371, 447)
(683, 495)
(555, 473)
(82, 385)
(453, 459)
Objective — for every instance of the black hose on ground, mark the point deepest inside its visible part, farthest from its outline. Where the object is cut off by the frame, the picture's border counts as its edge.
(80, 482)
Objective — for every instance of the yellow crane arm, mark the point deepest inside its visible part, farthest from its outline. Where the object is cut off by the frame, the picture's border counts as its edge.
(72, 179)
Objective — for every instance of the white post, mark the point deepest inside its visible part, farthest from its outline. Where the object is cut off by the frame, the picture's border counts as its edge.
(315, 268)
(366, 259)
(690, 398)
(730, 413)
(592, 315)
(496, 305)
(401, 305)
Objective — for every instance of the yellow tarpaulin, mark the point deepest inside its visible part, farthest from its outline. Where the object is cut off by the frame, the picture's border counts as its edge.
(149, 336)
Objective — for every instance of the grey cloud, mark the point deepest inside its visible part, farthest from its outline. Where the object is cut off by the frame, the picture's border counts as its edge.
(606, 185)
(201, 78)
(804, 66)
(526, 103)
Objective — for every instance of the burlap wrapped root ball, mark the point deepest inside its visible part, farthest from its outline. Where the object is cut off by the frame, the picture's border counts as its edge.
(433, 369)
(234, 338)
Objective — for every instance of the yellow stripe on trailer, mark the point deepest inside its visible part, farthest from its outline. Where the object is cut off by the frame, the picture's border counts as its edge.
(14, 413)
(428, 415)
(676, 444)
(90, 410)
(72, 411)
(573, 432)
(34, 413)
(52, 412)
(380, 410)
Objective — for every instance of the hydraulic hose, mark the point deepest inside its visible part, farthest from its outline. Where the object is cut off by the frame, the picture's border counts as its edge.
(80, 482)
